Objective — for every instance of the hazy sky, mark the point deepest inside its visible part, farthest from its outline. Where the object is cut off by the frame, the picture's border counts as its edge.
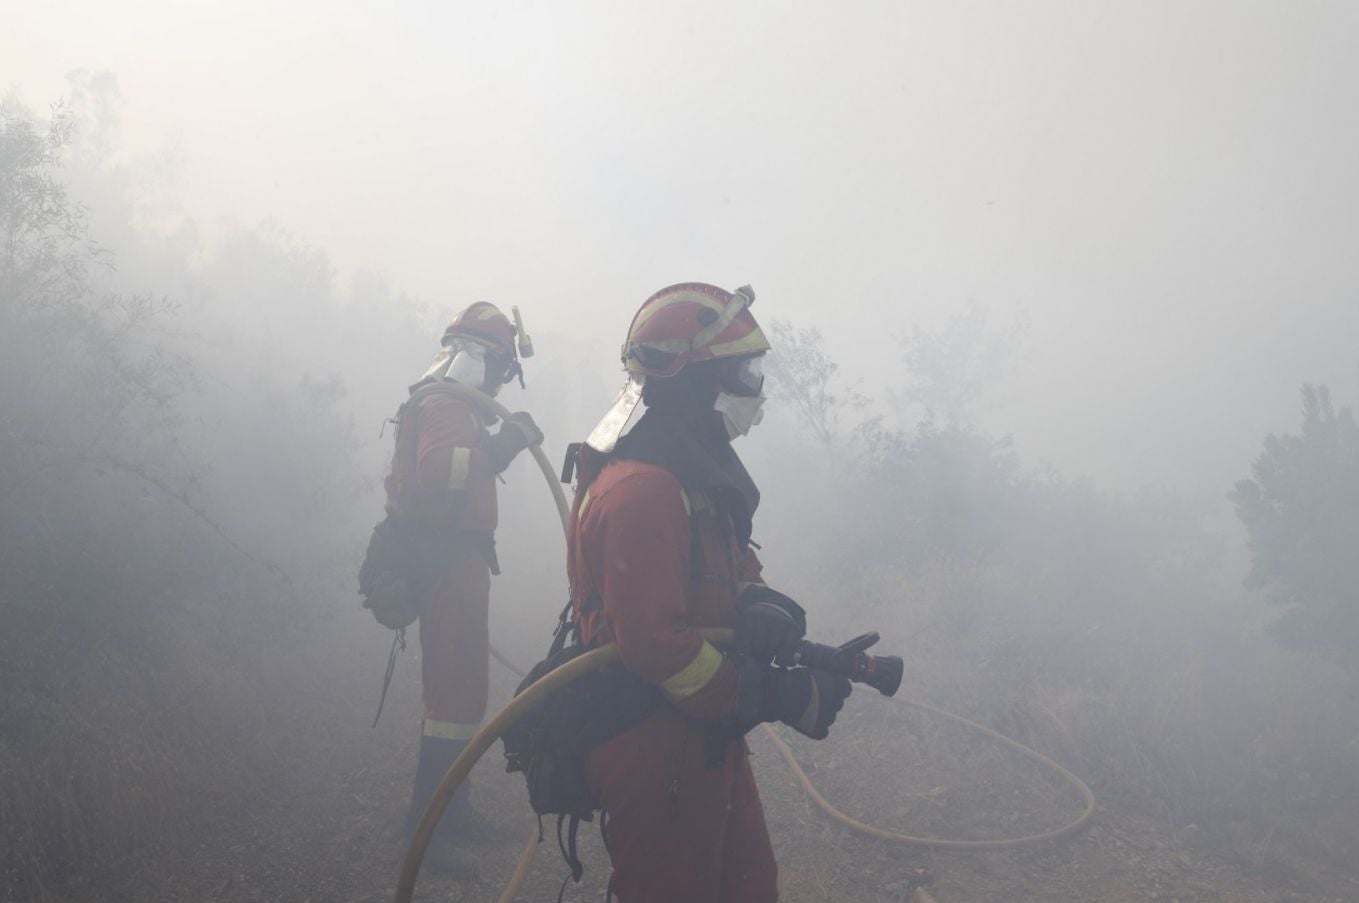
(1168, 190)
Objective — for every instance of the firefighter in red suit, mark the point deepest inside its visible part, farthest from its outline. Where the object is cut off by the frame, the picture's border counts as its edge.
(443, 474)
(659, 545)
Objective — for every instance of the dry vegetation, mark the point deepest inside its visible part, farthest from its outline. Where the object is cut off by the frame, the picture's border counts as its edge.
(1111, 632)
(164, 467)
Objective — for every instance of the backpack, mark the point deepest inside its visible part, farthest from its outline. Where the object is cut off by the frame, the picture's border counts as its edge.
(549, 745)
(400, 565)
(405, 551)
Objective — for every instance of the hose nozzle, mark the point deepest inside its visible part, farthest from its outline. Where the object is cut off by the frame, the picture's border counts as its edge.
(881, 672)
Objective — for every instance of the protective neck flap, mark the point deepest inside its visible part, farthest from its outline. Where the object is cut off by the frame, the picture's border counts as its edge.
(605, 435)
(694, 447)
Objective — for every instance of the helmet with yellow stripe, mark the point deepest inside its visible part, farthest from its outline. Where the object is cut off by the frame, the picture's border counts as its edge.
(684, 324)
(689, 323)
(478, 349)
(483, 323)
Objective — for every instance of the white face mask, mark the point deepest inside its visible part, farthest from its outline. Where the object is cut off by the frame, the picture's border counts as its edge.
(469, 368)
(739, 412)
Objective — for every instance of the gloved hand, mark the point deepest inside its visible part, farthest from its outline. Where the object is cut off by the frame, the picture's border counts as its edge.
(805, 699)
(522, 423)
(517, 433)
(769, 625)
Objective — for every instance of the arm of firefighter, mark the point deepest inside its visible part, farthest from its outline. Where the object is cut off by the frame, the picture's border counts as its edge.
(645, 586)
(448, 458)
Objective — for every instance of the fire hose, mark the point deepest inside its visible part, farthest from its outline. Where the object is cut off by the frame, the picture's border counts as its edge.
(850, 656)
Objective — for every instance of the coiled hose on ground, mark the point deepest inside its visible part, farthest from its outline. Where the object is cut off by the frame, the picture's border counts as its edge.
(597, 658)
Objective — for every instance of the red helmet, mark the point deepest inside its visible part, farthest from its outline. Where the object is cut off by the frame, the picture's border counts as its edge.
(483, 322)
(681, 325)
(688, 323)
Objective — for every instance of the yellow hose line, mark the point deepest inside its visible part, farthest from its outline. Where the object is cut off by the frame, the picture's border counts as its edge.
(521, 868)
(489, 405)
(940, 843)
(489, 733)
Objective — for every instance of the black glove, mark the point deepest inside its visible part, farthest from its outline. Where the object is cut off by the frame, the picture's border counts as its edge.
(522, 423)
(769, 625)
(517, 433)
(805, 699)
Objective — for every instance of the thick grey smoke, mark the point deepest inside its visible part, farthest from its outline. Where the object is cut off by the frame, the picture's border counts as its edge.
(1040, 280)
(1166, 194)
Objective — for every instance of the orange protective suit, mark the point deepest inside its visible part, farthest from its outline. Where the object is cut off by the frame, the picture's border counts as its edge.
(442, 471)
(650, 561)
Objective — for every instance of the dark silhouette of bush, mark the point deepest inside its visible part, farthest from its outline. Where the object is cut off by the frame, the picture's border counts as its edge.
(1301, 511)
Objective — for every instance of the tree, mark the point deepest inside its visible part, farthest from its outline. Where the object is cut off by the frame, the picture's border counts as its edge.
(952, 372)
(64, 345)
(45, 248)
(806, 375)
(1301, 512)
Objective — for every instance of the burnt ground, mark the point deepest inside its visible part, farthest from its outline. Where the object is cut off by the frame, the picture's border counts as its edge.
(324, 829)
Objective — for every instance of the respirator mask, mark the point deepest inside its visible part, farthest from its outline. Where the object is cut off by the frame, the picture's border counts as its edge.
(468, 365)
(475, 365)
(740, 398)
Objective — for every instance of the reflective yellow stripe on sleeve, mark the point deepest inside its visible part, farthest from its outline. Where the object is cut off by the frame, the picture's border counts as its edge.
(695, 675)
(459, 468)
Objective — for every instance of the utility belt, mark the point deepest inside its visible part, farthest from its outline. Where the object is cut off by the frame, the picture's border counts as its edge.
(442, 540)
(405, 557)
(483, 543)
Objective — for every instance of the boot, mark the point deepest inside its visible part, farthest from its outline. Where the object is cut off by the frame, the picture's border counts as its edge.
(441, 855)
(436, 755)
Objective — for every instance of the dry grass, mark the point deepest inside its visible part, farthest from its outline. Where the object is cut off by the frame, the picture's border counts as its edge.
(126, 754)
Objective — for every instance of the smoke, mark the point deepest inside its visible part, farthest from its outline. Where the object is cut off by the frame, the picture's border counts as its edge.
(1044, 279)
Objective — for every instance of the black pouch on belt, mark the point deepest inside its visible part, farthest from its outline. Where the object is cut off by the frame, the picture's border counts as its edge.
(549, 744)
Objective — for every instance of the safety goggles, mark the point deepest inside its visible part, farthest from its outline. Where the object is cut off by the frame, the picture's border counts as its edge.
(742, 375)
(502, 367)
(476, 365)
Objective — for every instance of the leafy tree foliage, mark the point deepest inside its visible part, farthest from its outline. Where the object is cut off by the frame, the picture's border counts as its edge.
(1301, 511)
(45, 249)
(86, 387)
(806, 376)
(935, 489)
(951, 373)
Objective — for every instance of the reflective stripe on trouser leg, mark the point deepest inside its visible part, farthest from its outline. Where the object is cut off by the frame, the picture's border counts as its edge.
(448, 730)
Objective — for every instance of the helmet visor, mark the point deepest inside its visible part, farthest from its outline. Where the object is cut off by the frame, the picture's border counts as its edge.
(468, 366)
(743, 376)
